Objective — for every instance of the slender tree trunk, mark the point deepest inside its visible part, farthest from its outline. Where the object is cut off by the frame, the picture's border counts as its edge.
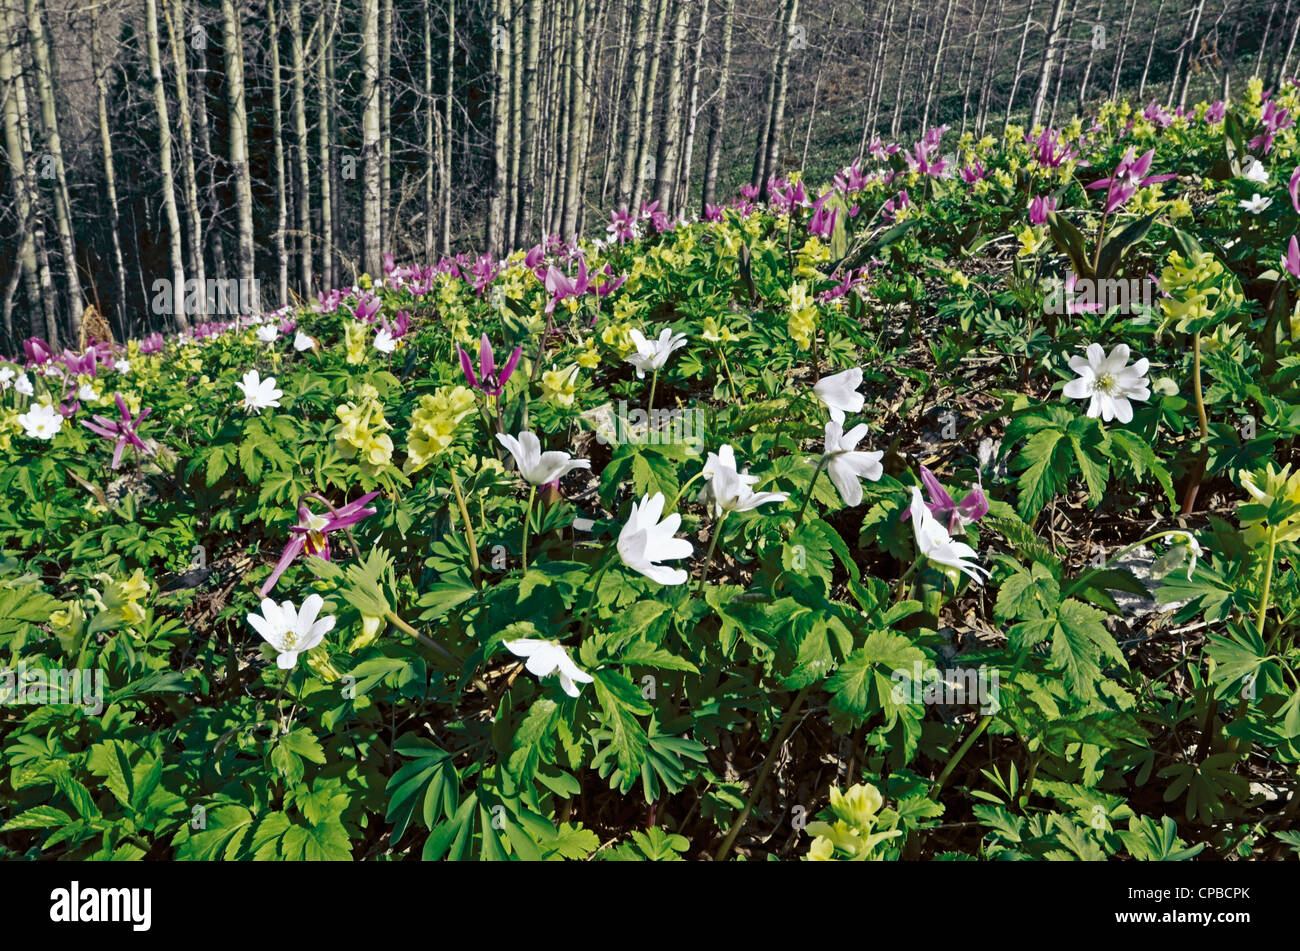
(448, 102)
(198, 34)
(430, 120)
(165, 164)
(372, 235)
(897, 115)
(573, 185)
(1049, 62)
(776, 124)
(637, 76)
(670, 131)
(514, 136)
(386, 124)
(1020, 65)
(1087, 67)
(277, 141)
(1263, 42)
(175, 19)
(300, 134)
(233, 43)
(1285, 71)
(1124, 35)
(110, 186)
(1066, 41)
(1151, 48)
(44, 77)
(496, 218)
(49, 297)
(647, 123)
(932, 86)
(19, 176)
(612, 127)
(1189, 49)
(718, 112)
(325, 153)
(683, 190)
(528, 147)
(986, 86)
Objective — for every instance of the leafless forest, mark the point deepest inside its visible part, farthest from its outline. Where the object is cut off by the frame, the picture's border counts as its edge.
(295, 142)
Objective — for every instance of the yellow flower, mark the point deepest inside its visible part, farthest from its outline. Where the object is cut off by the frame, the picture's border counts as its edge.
(361, 435)
(716, 332)
(803, 316)
(433, 424)
(1281, 485)
(589, 357)
(959, 279)
(355, 340)
(1031, 239)
(560, 386)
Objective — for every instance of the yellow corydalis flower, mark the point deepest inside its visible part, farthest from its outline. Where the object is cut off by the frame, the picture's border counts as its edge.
(1281, 485)
(434, 423)
(361, 433)
(560, 386)
(803, 316)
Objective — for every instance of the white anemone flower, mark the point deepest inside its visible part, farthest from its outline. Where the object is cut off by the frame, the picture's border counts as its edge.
(384, 341)
(730, 489)
(258, 393)
(1255, 204)
(537, 467)
(41, 422)
(302, 342)
(933, 541)
(543, 658)
(651, 355)
(88, 393)
(24, 385)
(839, 393)
(646, 540)
(267, 333)
(122, 366)
(1108, 382)
(845, 464)
(292, 631)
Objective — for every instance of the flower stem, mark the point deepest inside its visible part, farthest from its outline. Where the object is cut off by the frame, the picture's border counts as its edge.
(654, 382)
(528, 514)
(469, 528)
(821, 464)
(778, 741)
(708, 559)
(1193, 487)
(1268, 585)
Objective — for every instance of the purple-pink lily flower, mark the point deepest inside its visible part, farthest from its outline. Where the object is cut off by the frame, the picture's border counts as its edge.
(712, 212)
(562, 286)
(1274, 118)
(37, 351)
(1292, 260)
(123, 430)
(1130, 175)
(959, 514)
(367, 307)
(1050, 149)
(850, 179)
(1040, 208)
(822, 224)
(1294, 189)
(1216, 113)
(973, 173)
(622, 225)
(312, 533)
(488, 380)
(485, 271)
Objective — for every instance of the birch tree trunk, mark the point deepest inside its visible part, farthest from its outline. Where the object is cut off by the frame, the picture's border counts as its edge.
(932, 85)
(165, 164)
(447, 128)
(577, 126)
(385, 123)
(1185, 58)
(670, 131)
(1123, 51)
(300, 135)
(896, 116)
(515, 133)
(718, 113)
(277, 141)
(371, 233)
(110, 185)
(647, 122)
(198, 35)
(496, 218)
(682, 195)
(233, 50)
(175, 19)
(44, 77)
(528, 133)
(776, 124)
(986, 87)
(1049, 62)
(1020, 65)
(1151, 48)
(19, 176)
(637, 78)
(326, 158)
(430, 120)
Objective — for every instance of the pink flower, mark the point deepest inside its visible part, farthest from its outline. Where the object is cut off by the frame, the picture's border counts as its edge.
(1294, 189)
(1040, 208)
(123, 430)
(621, 225)
(488, 381)
(1129, 176)
(1292, 260)
(972, 173)
(312, 532)
(970, 509)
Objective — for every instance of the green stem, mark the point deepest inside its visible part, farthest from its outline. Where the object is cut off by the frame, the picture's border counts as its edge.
(428, 642)
(528, 514)
(469, 528)
(708, 559)
(1268, 586)
(782, 734)
(1194, 486)
(654, 382)
(821, 464)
